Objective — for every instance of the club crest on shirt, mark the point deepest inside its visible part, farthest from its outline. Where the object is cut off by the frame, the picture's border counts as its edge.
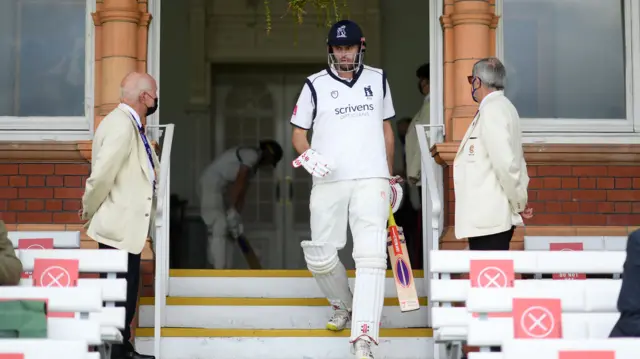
(368, 93)
(334, 94)
(472, 150)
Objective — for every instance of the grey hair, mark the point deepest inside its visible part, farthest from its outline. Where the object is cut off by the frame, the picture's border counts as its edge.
(130, 90)
(491, 72)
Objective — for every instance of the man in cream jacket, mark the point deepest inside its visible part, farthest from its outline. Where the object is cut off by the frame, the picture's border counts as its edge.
(489, 170)
(119, 198)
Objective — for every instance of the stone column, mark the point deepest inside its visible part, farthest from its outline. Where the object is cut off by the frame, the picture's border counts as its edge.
(467, 38)
(121, 46)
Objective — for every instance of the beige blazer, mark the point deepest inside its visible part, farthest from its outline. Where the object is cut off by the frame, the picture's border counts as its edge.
(412, 146)
(119, 198)
(489, 171)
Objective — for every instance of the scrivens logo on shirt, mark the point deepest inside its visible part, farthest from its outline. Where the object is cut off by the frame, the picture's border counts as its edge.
(354, 110)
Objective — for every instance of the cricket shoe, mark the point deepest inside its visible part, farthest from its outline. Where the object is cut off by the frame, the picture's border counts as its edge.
(339, 320)
(362, 348)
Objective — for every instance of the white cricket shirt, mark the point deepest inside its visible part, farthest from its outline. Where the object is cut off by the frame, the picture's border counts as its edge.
(224, 169)
(347, 121)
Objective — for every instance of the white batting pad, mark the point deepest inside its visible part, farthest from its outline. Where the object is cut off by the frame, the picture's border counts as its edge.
(368, 300)
(331, 275)
(370, 255)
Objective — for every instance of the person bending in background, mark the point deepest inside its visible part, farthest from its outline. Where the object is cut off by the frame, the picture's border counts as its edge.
(219, 209)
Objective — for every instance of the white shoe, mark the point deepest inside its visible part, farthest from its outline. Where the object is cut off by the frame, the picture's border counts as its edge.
(362, 348)
(339, 320)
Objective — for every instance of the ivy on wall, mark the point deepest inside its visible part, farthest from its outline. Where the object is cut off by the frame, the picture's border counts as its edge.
(328, 11)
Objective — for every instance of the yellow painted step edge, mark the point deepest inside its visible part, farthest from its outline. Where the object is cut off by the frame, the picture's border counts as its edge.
(262, 273)
(272, 333)
(305, 302)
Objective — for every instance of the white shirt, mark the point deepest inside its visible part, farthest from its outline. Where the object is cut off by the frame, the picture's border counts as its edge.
(347, 121)
(139, 124)
(224, 169)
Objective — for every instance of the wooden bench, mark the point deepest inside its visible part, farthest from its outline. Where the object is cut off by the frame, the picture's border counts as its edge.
(588, 306)
(586, 312)
(451, 323)
(74, 299)
(94, 261)
(110, 318)
(589, 243)
(627, 348)
(61, 239)
(47, 348)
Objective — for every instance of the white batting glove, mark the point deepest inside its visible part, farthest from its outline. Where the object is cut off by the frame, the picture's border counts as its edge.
(395, 192)
(234, 222)
(314, 163)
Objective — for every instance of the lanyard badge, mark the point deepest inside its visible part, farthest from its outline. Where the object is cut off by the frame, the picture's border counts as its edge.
(147, 148)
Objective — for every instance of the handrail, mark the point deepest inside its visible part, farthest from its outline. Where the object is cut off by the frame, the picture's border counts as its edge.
(161, 240)
(432, 209)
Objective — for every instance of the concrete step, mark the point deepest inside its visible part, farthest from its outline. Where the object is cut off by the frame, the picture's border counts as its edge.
(262, 283)
(265, 313)
(190, 343)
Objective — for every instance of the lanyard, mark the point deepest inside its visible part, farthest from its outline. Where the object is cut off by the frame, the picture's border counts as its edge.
(147, 147)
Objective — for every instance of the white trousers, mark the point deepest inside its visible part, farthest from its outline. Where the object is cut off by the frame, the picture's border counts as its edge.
(213, 213)
(364, 205)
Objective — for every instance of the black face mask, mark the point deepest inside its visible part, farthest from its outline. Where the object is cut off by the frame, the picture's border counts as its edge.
(153, 109)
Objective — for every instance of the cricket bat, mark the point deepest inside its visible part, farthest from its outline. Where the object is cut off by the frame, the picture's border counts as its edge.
(248, 253)
(402, 272)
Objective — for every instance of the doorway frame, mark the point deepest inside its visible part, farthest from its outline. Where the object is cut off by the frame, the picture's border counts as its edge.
(153, 58)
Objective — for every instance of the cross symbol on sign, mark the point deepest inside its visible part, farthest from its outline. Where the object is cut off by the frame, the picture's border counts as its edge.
(492, 277)
(537, 322)
(55, 276)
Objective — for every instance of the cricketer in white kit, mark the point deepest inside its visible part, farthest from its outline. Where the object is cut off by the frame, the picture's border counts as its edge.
(223, 186)
(348, 106)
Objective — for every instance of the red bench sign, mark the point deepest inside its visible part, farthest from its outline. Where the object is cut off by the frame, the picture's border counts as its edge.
(537, 318)
(496, 273)
(492, 273)
(56, 273)
(34, 243)
(567, 247)
(587, 354)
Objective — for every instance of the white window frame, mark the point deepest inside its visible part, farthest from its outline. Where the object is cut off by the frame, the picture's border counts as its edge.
(571, 130)
(60, 128)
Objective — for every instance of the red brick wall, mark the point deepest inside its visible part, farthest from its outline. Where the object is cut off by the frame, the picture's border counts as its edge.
(579, 195)
(41, 192)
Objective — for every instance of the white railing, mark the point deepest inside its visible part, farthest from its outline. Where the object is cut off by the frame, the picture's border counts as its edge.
(161, 238)
(432, 208)
(431, 173)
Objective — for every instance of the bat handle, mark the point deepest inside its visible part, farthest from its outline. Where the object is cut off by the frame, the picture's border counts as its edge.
(392, 220)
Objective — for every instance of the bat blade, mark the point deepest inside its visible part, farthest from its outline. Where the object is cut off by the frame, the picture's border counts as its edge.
(248, 253)
(401, 266)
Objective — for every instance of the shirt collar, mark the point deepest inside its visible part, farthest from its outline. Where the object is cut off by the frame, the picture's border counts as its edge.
(133, 113)
(493, 94)
(427, 98)
(335, 72)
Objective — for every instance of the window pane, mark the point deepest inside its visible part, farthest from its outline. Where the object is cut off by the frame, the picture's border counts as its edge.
(42, 54)
(565, 59)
